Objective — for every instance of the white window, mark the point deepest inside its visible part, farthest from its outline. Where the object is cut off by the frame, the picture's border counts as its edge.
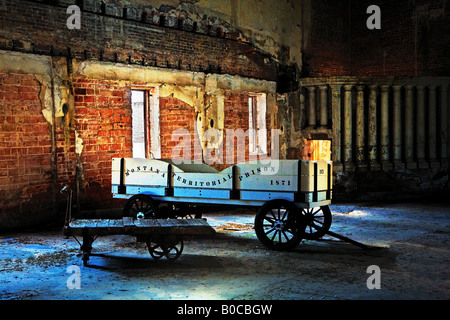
(257, 123)
(145, 123)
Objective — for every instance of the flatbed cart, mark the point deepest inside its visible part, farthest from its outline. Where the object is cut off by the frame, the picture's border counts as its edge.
(164, 237)
(291, 197)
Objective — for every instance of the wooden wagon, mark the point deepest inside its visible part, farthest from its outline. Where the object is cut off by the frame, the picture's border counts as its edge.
(291, 198)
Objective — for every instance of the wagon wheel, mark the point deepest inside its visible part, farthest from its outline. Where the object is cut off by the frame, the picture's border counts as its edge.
(278, 225)
(171, 248)
(318, 221)
(140, 206)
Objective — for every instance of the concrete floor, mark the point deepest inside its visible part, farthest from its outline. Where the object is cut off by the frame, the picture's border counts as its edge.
(413, 260)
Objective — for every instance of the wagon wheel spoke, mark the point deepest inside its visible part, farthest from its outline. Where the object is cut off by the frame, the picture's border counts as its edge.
(274, 235)
(290, 231)
(287, 238)
(271, 230)
(317, 223)
(273, 215)
(272, 221)
(284, 215)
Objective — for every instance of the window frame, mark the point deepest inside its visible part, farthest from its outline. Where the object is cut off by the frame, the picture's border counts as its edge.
(257, 104)
(152, 138)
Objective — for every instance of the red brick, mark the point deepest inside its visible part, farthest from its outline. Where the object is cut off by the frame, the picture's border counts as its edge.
(89, 99)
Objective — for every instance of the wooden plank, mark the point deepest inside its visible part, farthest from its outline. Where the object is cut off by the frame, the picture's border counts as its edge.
(115, 223)
(176, 222)
(146, 223)
(164, 223)
(128, 221)
(88, 223)
(144, 227)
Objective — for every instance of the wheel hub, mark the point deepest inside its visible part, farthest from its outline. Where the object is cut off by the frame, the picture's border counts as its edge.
(140, 215)
(278, 225)
(308, 218)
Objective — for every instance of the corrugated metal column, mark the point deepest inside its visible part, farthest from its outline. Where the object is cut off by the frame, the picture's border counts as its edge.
(360, 125)
(397, 126)
(348, 128)
(420, 125)
(432, 129)
(336, 123)
(444, 125)
(312, 106)
(323, 106)
(384, 124)
(409, 127)
(372, 123)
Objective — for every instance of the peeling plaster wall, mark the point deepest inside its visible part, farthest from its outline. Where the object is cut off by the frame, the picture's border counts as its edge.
(48, 71)
(204, 92)
(27, 163)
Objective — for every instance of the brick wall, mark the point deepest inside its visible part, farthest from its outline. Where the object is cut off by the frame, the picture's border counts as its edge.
(177, 115)
(236, 116)
(32, 26)
(103, 123)
(414, 39)
(327, 52)
(25, 150)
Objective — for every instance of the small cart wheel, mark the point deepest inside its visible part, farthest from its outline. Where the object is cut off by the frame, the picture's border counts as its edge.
(278, 225)
(169, 247)
(318, 221)
(175, 251)
(140, 206)
(155, 250)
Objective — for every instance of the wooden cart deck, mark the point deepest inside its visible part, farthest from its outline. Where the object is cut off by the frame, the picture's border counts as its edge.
(136, 227)
(164, 237)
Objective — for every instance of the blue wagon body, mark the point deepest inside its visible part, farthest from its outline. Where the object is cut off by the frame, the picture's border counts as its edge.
(308, 184)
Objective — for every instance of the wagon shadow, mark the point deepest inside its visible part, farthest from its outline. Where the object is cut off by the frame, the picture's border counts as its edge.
(342, 252)
(116, 262)
(323, 250)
